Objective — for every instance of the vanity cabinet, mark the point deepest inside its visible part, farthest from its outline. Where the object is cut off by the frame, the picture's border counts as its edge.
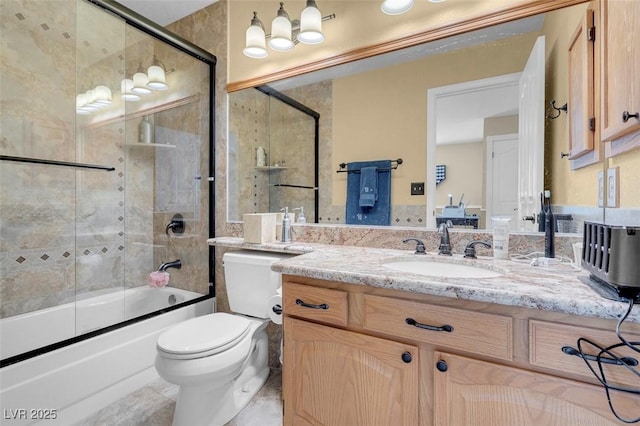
(620, 68)
(468, 391)
(346, 378)
(359, 355)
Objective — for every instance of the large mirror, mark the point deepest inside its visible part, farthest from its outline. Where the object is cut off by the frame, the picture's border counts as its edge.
(445, 109)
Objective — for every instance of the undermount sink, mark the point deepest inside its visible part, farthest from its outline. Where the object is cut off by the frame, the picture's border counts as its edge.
(434, 268)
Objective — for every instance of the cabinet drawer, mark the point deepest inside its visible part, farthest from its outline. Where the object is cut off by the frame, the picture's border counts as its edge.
(315, 303)
(546, 341)
(480, 333)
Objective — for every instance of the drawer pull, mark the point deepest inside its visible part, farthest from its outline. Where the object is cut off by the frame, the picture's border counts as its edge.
(442, 366)
(605, 360)
(406, 357)
(312, 306)
(414, 323)
(627, 115)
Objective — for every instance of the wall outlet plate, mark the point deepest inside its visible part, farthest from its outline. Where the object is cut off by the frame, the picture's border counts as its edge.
(417, 188)
(613, 187)
(601, 188)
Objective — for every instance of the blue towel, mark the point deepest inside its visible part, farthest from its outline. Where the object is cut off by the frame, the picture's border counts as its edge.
(380, 213)
(368, 186)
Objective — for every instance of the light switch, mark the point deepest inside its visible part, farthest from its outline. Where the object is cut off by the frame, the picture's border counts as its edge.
(613, 190)
(417, 188)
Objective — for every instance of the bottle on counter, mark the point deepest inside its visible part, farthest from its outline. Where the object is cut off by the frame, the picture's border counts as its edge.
(146, 132)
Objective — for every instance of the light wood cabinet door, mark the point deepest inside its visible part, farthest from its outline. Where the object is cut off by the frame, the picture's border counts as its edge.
(338, 377)
(621, 67)
(581, 107)
(472, 392)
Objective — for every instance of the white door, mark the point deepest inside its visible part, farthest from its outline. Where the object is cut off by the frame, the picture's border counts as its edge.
(531, 130)
(502, 178)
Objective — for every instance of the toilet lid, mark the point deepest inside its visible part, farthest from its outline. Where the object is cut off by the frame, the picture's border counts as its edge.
(203, 334)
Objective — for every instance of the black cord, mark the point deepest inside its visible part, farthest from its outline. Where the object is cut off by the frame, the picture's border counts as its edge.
(618, 333)
(619, 362)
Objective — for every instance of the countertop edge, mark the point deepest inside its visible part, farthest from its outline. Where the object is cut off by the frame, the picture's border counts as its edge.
(581, 301)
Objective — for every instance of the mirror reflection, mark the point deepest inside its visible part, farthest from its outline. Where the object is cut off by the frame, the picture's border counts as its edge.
(445, 108)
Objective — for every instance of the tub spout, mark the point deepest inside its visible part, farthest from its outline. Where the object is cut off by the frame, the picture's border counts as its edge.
(166, 265)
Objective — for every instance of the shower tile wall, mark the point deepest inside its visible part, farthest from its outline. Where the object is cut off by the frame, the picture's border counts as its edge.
(37, 243)
(64, 232)
(248, 130)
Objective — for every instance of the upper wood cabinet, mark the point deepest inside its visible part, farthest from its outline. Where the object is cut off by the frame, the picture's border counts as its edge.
(581, 88)
(620, 68)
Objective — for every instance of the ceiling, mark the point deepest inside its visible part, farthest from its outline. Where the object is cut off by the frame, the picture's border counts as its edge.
(165, 12)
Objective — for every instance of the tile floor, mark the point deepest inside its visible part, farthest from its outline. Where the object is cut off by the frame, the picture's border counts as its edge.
(153, 405)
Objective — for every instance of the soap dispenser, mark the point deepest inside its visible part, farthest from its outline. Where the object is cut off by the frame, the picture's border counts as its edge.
(301, 218)
(286, 226)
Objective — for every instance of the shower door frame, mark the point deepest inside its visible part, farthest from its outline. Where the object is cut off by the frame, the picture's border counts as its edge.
(269, 91)
(158, 32)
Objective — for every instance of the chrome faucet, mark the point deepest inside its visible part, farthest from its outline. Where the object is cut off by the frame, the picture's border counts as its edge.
(445, 242)
(166, 265)
(419, 245)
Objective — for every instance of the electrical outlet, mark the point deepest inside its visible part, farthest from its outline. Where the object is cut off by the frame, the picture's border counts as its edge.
(417, 188)
(613, 190)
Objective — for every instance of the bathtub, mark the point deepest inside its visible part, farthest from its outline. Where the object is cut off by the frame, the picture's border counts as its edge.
(96, 310)
(79, 379)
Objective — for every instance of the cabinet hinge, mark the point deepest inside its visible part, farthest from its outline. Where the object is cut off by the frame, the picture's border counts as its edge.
(592, 124)
(591, 34)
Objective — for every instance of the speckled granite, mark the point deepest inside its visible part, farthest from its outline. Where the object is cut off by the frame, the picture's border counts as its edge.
(556, 288)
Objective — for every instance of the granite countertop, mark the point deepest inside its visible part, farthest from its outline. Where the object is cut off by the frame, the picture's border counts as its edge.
(559, 287)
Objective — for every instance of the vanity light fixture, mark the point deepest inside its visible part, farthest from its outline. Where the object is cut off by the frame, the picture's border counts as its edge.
(93, 100)
(157, 75)
(140, 82)
(398, 7)
(285, 33)
(126, 92)
(281, 31)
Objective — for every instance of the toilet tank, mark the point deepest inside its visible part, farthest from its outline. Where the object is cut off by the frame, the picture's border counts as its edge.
(250, 281)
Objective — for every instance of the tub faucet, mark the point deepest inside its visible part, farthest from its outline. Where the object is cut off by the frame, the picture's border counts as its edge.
(445, 242)
(166, 265)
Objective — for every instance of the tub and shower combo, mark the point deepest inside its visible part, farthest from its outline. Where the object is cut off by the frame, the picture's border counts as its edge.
(87, 197)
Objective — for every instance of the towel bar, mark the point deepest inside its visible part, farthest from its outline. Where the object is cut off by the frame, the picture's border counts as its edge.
(343, 167)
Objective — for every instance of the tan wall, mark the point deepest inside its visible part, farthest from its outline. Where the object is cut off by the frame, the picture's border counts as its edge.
(465, 171)
(577, 187)
(382, 114)
(357, 24)
(629, 174)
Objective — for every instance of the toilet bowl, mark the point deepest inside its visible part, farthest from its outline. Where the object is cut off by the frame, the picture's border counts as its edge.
(220, 361)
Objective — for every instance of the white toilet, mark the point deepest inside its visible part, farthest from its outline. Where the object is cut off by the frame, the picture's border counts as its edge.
(220, 360)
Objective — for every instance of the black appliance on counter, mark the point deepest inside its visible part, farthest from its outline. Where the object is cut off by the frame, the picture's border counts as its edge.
(611, 254)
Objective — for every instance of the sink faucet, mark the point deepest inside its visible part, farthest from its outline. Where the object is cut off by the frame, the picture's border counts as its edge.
(445, 243)
(419, 245)
(166, 265)
(470, 250)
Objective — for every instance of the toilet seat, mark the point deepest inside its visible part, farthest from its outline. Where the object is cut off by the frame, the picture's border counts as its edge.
(203, 336)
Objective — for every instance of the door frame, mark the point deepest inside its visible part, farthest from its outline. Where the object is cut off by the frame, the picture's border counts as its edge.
(433, 96)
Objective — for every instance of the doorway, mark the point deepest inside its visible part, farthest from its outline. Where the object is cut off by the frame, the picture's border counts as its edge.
(448, 107)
